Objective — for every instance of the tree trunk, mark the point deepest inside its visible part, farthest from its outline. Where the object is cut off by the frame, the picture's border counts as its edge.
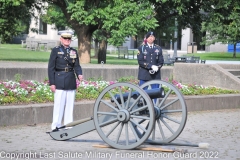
(84, 43)
(102, 52)
(234, 50)
(96, 48)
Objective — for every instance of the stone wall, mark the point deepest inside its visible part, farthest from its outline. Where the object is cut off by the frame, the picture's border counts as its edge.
(193, 73)
(207, 75)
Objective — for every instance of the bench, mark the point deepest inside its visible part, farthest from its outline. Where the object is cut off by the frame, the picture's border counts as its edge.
(52, 43)
(38, 44)
(31, 44)
(180, 59)
(23, 42)
(167, 60)
(124, 53)
(193, 59)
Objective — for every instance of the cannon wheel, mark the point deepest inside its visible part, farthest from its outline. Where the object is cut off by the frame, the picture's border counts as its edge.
(118, 129)
(171, 113)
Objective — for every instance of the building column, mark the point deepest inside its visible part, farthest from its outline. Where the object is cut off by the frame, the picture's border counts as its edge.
(187, 36)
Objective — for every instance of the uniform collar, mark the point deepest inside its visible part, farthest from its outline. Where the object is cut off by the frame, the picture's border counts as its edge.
(65, 47)
(150, 45)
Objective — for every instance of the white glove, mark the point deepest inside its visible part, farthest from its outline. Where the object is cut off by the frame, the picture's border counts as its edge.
(155, 68)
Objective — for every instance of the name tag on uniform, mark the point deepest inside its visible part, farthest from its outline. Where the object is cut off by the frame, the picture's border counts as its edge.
(73, 54)
(60, 53)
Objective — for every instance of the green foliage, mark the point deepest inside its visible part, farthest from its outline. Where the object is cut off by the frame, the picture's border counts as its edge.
(193, 89)
(222, 24)
(15, 17)
(113, 21)
(22, 92)
(188, 13)
(98, 35)
(95, 79)
(18, 92)
(89, 93)
(18, 77)
(55, 16)
(200, 90)
(41, 96)
(118, 19)
(130, 79)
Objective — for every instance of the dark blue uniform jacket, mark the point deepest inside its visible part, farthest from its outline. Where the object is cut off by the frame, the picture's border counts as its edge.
(146, 58)
(61, 66)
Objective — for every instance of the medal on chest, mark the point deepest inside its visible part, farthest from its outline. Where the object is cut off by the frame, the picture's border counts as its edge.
(73, 54)
(157, 52)
(145, 53)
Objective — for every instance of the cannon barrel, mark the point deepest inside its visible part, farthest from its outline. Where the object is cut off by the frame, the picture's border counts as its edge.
(152, 93)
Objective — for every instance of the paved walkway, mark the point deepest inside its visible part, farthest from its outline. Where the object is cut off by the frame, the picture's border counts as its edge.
(219, 128)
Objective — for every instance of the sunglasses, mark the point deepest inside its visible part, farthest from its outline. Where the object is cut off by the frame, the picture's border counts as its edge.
(66, 38)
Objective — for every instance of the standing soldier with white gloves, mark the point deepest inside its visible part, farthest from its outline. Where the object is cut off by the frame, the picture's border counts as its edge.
(63, 67)
(150, 60)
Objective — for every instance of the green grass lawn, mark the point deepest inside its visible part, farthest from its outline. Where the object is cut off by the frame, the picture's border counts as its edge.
(217, 56)
(15, 52)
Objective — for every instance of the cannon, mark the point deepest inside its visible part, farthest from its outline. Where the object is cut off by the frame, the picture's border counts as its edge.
(152, 93)
(126, 115)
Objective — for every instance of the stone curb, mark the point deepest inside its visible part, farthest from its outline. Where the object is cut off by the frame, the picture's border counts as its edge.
(42, 113)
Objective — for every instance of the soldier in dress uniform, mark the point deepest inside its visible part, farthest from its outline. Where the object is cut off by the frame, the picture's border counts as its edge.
(150, 60)
(63, 68)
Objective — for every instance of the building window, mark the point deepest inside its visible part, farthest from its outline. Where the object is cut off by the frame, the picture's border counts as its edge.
(42, 27)
(60, 28)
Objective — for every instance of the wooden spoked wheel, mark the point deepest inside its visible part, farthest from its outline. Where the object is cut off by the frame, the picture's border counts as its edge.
(170, 112)
(119, 119)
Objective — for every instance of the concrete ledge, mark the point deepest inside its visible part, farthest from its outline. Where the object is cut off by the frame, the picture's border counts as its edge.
(187, 73)
(207, 75)
(108, 73)
(212, 102)
(42, 113)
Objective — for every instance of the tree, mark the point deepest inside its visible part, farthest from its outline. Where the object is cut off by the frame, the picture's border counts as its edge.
(115, 20)
(15, 16)
(189, 14)
(223, 23)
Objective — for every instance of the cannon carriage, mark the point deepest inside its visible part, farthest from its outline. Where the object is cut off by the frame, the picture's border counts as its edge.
(126, 116)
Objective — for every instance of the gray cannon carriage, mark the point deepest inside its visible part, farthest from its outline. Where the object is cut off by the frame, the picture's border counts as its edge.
(126, 116)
